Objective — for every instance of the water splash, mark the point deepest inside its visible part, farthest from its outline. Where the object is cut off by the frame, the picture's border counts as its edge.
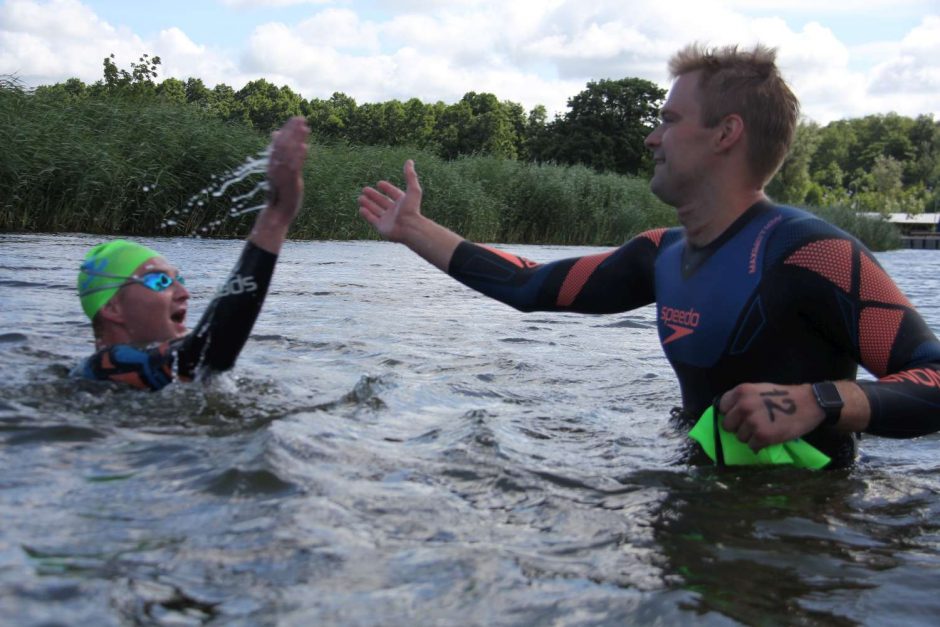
(238, 205)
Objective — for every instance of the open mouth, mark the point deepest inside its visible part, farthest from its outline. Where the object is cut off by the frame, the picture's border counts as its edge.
(179, 317)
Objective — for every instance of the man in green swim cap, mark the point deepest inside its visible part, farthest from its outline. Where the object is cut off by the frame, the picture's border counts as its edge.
(137, 301)
(117, 288)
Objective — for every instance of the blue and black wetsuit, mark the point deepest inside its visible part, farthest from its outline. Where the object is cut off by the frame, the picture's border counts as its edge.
(213, 345)
(780, 297)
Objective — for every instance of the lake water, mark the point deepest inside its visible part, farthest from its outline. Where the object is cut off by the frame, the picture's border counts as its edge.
(393, 449)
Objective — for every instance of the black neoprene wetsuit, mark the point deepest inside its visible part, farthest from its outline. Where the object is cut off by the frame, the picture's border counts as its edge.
(780, 297)
(212, 346)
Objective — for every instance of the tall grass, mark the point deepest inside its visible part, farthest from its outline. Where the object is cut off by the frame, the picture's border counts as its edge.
(107, 166)
(119, 166)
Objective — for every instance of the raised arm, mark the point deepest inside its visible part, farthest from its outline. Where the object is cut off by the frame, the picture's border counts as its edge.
(226, 324)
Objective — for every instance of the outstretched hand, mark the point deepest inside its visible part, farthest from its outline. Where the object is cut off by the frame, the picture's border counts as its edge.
(388, 208)
(285, 168)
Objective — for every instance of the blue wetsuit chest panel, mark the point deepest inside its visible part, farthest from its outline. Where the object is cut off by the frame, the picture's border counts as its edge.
(698, 310)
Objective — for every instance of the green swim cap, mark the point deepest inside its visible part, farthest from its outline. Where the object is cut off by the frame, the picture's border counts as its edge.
(718, 443)
(105, 269)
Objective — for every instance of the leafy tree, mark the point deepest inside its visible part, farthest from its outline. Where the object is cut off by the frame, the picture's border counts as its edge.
(222, 103)
(172, 90)
(71, 90)
(925, 166)
(197, 93)
(331, 119)
(605, 126)
(418, 124)
(139, 81)
(480, 124)
(793, 181)
(266, 106)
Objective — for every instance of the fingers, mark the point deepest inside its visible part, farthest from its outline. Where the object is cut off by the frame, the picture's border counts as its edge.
(411, 176)
(376, 198)
(737, 417)
(728, 407)
(369, 216)
(372, 207)
(291, 137)
(393, 192)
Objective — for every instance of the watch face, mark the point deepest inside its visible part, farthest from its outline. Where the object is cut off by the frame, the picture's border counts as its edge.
(828, 395)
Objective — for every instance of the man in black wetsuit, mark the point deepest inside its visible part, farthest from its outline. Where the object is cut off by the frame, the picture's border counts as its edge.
(137, 301)
(766, 308)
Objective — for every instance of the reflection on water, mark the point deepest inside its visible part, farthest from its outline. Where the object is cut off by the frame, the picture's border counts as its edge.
(394, 449)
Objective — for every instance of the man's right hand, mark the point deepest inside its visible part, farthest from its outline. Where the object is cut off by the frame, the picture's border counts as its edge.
(389, 209)
(396, 215)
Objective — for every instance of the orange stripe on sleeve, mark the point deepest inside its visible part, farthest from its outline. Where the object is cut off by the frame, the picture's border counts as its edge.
(578, 275)
(830, 258)
(653, 235)
(877, 329)
(514, 260)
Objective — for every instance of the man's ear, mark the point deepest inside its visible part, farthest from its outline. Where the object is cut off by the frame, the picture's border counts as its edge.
(112, 312)
(730, 132)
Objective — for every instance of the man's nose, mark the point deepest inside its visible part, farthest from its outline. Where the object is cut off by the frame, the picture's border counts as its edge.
(180, 291)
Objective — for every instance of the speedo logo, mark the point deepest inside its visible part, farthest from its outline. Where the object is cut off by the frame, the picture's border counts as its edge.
(238, 284)
(683, 322)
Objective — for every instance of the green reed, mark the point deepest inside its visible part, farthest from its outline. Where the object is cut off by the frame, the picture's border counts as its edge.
(127, 166)
(107, 165)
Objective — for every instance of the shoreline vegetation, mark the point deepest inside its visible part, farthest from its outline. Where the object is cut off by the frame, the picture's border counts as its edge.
(118, 157)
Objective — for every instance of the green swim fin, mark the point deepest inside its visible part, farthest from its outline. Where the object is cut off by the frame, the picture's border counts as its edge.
(725, 448)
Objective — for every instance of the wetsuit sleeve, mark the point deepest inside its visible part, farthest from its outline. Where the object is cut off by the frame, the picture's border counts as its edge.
(614, 281)
(213, 345)
(220, 334)
(863, 311)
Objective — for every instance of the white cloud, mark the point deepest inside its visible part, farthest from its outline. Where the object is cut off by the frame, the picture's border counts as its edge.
(255, 4)
(44, 43)
(528, 52)
(915, 68)
(831, 7)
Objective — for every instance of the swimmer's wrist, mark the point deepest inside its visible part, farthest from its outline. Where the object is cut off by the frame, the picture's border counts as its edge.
(416, 228)
(270, 230)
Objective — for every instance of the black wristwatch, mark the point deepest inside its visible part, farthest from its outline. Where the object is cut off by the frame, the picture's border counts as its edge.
(828, 397)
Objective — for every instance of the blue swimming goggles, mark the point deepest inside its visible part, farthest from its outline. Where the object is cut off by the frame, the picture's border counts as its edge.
(156, 281)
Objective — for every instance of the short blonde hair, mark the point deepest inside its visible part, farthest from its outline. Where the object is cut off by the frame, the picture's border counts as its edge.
(748, 83)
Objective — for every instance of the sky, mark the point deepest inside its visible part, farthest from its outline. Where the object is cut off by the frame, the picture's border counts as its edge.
(843, 58)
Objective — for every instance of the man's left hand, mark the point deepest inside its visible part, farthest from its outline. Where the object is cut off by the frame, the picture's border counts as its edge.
(761, 414)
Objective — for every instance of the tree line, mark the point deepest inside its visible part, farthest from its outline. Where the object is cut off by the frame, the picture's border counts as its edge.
(878, 163)
(603, 128)
(884, 163)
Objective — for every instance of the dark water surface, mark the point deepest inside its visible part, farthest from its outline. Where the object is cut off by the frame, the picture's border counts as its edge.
(393, 449)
